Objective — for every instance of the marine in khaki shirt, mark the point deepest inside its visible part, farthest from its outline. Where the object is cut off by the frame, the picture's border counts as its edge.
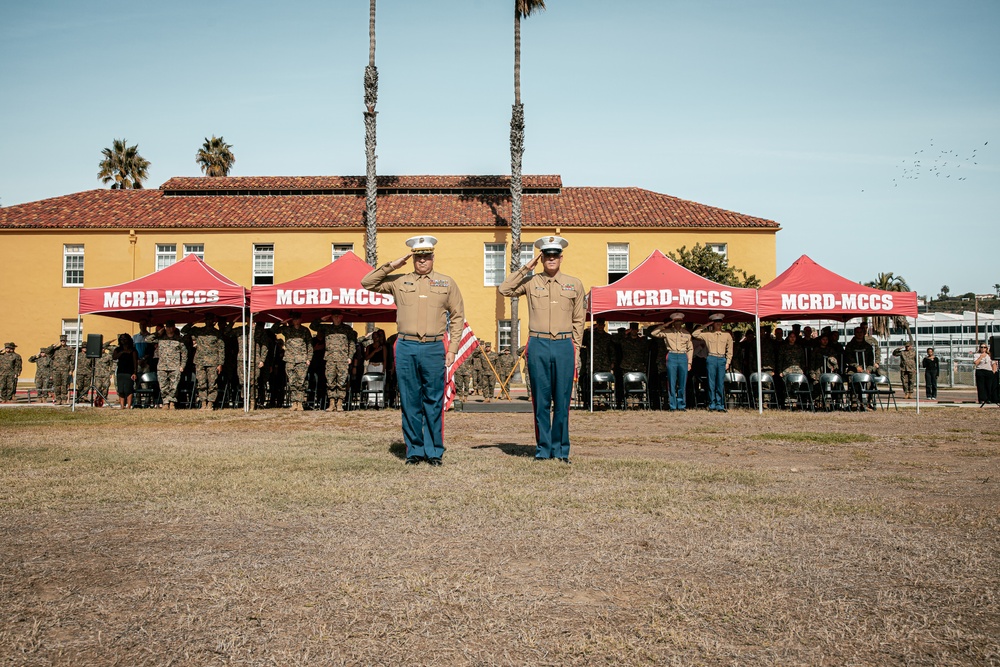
(676, 337)
(427, 303)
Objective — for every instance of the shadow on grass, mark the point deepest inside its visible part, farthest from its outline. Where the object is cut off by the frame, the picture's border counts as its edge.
(398, 449)
(510, 449)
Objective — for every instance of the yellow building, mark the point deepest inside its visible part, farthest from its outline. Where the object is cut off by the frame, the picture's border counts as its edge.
(263, 230)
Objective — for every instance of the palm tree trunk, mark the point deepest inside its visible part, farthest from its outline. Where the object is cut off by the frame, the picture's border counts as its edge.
(516, 155)
(371, 182)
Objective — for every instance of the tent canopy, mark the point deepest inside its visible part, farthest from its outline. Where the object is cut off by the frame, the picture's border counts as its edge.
(184, 291)
(660, 286)
(806, 290)
(336, 288)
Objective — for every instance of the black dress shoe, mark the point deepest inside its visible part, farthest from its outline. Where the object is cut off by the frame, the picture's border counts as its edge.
(412, 461)
(434, 462)
(566, 461)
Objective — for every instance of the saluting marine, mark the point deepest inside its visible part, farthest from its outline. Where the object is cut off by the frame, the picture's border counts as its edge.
(555, 322)
(719, 347)
(680, 355)
(427, 303)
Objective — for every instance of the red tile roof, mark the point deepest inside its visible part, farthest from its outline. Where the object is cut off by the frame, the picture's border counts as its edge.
(424, 202)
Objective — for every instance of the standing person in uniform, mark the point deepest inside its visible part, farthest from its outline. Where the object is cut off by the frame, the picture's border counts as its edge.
(105, 366)
(62, 369)
(341, 341)
(10, 370)
(932, 368)
(210, 351)
(487, 378)
(680, 355)
(505, 365)
(43, 373)
(298, 354)
(719, 348)
(907, 367)
(171, 355)
(555, 322)
(427, 303)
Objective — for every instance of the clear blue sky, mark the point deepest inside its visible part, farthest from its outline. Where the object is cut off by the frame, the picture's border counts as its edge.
(808, 113)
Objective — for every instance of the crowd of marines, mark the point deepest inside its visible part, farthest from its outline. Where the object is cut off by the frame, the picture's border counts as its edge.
(295, 365)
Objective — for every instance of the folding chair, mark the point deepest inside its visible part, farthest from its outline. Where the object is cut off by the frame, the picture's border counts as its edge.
(736, 390)
(372, 391)
(832, 392)
(147, 391)
(798, 393)
(636, 389)
(863, 392)
(884, 392)
(604, 389)
(765, 382)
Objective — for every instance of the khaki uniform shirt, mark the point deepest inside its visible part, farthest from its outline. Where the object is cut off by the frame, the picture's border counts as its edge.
(718, 343)
(555, 305)
(423, 303)
(677, 339)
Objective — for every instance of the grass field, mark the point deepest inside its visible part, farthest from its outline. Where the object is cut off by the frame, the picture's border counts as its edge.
(277, 538)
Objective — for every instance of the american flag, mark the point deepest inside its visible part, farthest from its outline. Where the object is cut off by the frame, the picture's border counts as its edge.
(465, 350)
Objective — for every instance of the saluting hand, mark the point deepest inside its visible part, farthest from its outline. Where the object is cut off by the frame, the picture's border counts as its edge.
(397, 263)
(534, 262)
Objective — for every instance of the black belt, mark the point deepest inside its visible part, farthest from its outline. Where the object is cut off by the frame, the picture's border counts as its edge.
(549, 336)
(420, 339)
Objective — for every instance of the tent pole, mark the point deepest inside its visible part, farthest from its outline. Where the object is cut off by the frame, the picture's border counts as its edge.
(248, 365)
(760, 385)
(591, 364)
(916, 370)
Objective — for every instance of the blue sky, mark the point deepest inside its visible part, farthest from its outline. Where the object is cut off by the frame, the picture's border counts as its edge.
(813, 114)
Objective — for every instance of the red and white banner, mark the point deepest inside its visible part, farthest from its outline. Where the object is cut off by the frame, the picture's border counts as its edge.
(465, 350)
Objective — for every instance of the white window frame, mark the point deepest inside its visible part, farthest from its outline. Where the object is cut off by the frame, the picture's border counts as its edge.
(505, 338)
(719, 249)
(166, 254)
(73, 264)
(195, 249)
(494, 264)
(263, 262)
(71, 331)
(338, 250)
(616, 253)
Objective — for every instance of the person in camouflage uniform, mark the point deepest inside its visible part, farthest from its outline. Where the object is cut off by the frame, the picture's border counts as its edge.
(859, 355)
(341, 340)
(791, 356)
(907, 367)
(63, 358)
(298, 354)
(210, 351)
(488, 360)
(463, 376)
(524, 369)
(505, 365)
(43, 373)
(102, 379)
(84, 372)
(10, 370)
(171, 355)
(822, 359)
(876, 368)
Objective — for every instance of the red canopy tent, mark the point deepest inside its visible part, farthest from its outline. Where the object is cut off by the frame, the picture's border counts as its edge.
(660, 285)
(185, 292)
(806, 290)
(334, 288)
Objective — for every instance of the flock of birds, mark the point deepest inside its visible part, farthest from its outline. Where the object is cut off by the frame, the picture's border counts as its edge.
(936, 163)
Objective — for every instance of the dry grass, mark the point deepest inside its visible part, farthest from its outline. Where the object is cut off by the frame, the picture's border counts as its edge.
(145, 538)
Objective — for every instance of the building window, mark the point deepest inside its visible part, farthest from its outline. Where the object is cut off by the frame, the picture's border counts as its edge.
(504, 338)
(617, 261)
(195, 249)
(341, 249)
(263, 264)
(71, 331)
(719, 249)
(494, 257)
(166, 254)
(73, 265)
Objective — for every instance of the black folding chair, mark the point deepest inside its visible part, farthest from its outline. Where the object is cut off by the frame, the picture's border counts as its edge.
(636, 390)
(832, 392)
(372, 391)
(737, 391)
(863, 392)
(884, 393)
(765, 384)
(798, 393)
(604, 389)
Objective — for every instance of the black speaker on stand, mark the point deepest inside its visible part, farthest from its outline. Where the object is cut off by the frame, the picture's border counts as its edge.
(94, 344)
(994, 347)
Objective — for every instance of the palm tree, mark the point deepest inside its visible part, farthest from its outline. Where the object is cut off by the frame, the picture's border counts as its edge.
(944, 291)
(371, 183)
(888, 282)
(215, 157)
(122, 166)
(522, 9)
(996, 288)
